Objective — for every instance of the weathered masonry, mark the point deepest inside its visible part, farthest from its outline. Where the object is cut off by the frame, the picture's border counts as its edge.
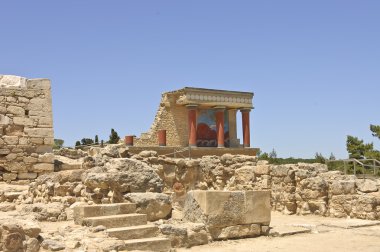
(26, 127)
(199, 117)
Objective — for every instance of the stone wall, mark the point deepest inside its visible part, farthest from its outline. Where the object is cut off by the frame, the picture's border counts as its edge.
(295, 188)
(26, 128)
(312, 189)
(170, 117)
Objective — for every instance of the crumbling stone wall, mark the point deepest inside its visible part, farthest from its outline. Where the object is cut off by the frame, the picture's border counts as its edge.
(170, 117)
(108, 174)
(26, 128)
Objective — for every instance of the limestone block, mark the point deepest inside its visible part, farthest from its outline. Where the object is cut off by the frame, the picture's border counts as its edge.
(245, 175)
(10, 140)
(46, 158)
(11, 99)
(257, 207)
(11, 156)
(27, 175)
(23, 141)
(9, 176)
(24, 121)
(30, 160)
(227, 208)
(16, 167)
(262, 162)
(45, 122)
(37, 140)
(366, 185)
(3, 109)
(12, 81)
(38, 84)
(4, 151)
(280, 170)
(185, 234)
(155, 205)
(22, 100)
(16, 110)
(39, 132)
(43, 167)
(339, 187)
(4, 120)
(238, 231)
(14, 130)
(261, 169)
(48, 141)
(44, 149)
(64, 163)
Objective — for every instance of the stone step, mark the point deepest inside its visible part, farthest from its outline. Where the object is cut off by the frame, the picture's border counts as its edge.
(151, 244)
(115, 221)
(85, 211)
(134, 232)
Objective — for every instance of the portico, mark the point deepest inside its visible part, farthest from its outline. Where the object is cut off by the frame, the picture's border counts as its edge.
(212, 116)
(203, 119)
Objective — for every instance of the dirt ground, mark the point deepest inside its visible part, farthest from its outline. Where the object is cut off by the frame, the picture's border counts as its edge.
(323, 234)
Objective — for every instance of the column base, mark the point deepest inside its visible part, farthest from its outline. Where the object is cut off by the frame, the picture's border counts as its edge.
(221, 146)
(246, 146)
(192, 145)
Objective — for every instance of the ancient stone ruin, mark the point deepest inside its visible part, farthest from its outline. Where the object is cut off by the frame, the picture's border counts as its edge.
(201, 120)
(119, 197)
(26, 128)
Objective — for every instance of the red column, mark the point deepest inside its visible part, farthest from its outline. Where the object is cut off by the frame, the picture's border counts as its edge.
(192, 119)
(219, 115)
(246, 133)
(161, 135)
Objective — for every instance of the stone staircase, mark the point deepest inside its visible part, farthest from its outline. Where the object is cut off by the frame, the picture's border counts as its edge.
(122, 222)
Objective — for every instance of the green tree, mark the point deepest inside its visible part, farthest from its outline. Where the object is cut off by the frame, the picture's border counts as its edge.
(332, 156)
(319, 158)
(375, 130)
(77, 143)
(58, 143)
(273, 154)
(264, 156)
(114, 137)
(96, 139)
(87, 141)
(356, 148)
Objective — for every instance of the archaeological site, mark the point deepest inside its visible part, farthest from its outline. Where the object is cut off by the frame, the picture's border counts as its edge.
(186, 184)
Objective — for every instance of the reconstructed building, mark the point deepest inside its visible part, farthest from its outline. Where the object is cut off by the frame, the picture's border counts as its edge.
(26, 127)
(199, 117)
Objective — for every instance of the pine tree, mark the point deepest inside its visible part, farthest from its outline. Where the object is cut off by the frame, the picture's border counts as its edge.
(87, 141)
(273, 154)
(96, 139)
(332, 157)
(114, 137)
(58, 144)
(77, 143)
(375, 130)
(319, 158)
(356, 147)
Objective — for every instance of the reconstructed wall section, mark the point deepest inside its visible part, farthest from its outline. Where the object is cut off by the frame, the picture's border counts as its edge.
(169, 117)
(26, 128)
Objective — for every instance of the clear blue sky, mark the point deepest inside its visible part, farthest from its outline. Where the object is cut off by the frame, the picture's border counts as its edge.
(314, 66)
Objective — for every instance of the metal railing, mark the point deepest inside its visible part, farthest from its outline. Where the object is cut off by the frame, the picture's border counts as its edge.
(374, 164)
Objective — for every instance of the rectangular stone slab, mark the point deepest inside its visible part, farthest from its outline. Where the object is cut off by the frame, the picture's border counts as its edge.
(228, 208)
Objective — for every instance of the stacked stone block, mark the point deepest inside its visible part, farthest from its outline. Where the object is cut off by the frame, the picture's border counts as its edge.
(26, 128)
(170, 117)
